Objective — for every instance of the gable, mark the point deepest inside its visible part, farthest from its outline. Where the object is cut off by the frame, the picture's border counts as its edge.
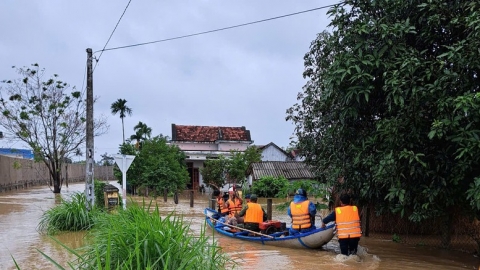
(209, 133)
(271, 152)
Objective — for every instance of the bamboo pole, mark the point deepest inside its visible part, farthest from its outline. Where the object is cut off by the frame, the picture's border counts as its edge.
(240, 228)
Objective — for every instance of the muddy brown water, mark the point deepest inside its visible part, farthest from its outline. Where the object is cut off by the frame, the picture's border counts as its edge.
(20, 212)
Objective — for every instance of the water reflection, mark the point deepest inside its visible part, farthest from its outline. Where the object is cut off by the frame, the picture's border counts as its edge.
(20, 213)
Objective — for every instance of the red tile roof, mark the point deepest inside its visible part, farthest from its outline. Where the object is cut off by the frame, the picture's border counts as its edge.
(209, 133)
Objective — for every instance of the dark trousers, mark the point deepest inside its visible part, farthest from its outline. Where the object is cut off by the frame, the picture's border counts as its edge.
(349, 246)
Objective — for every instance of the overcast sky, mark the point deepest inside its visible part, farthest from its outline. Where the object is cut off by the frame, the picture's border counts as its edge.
(247, 76)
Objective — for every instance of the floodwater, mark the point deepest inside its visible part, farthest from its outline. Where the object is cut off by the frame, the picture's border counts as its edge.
(20, 212)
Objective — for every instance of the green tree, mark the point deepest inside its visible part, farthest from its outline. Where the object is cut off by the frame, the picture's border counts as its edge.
(120, 106)
(142, 133)
(214, 172)
(237, 164)
(48, 115)
(392, 102)
(157, 165)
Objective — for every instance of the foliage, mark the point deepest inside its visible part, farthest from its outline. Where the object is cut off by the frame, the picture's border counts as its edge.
(120, 107)
(269, 186)
(48, 115)
(142, 133)
(139, 238)
(157, 165)
(99, 194)
(69, 215)
(229, 169)
(213, 172)
(106, 160)
(392, 103)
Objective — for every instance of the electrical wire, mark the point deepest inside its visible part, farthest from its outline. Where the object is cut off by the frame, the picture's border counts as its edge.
(98, 59)
(217, 30)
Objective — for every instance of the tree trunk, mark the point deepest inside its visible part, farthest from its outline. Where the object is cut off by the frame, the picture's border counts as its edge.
(57, 183)
(446, 226)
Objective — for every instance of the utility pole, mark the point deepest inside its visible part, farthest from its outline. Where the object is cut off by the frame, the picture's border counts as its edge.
(89, 164)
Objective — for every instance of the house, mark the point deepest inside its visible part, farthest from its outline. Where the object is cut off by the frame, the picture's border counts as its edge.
(202, 142)
(291, 170)
(271, 152)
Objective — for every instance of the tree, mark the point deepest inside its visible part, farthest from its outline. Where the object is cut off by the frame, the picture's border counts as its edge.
(217, 172)
(107, 160)
(157, 165)
(120, 106)
(214, 172)
(392, 102)
(49, 116)
(142, 133)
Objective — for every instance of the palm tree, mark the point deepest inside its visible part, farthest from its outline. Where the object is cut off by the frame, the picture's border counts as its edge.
(144, 130)
(120, 107)
(142, 133)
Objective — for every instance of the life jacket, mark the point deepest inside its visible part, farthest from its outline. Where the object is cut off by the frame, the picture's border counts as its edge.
(221, 205)
(254, 213)
(348, 222)
(234, 207)
(300, 216)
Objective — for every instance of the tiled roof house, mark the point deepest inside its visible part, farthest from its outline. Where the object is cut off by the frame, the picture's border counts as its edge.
(202, 142)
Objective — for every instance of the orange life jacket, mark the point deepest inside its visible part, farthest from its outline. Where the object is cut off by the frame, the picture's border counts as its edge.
(348, 222)
(300, 215)
(254, 213)
(234, 207)
(221, 205)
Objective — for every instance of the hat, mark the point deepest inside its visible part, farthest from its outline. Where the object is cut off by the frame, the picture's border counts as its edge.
(253, 197)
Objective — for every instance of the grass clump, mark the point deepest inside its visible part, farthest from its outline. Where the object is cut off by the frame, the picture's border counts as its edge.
(138, 238)
(68, 216)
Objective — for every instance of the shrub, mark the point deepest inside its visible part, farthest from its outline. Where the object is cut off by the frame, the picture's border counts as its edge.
(68, 216)
(269, 186)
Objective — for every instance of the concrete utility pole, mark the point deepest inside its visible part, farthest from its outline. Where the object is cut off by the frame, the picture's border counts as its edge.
(89, 164)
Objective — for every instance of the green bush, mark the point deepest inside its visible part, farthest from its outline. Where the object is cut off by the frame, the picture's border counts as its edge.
(269, 186)
(68, 216)
(99, 194)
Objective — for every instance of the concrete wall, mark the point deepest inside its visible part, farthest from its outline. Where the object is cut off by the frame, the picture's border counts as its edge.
(18, 173)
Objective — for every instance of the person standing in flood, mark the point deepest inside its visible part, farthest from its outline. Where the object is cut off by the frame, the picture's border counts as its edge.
(348, 225)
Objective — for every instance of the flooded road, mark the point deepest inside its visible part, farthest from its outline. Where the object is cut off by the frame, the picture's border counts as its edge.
(20, 213)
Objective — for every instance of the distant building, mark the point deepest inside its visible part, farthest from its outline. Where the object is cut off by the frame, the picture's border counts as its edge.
(202, 142)
(17, 153)
(271, 152)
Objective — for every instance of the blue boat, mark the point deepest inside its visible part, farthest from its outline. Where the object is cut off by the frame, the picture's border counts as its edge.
(313, 239)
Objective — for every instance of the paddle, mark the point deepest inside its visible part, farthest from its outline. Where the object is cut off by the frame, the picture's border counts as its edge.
(243, 229)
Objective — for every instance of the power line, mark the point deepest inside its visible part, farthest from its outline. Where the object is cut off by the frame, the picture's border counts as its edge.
(98, 59)
(217, 30)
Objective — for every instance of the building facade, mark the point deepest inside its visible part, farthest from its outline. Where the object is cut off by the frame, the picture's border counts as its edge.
(200, 143)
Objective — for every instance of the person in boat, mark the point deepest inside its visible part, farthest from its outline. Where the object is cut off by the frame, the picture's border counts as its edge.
(348, 225)
(302, 211)
(253, 214)
(221, 207)
(234, 205)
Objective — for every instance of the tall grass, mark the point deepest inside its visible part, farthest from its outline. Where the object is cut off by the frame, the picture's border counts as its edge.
(68, 216)
(138, 238)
